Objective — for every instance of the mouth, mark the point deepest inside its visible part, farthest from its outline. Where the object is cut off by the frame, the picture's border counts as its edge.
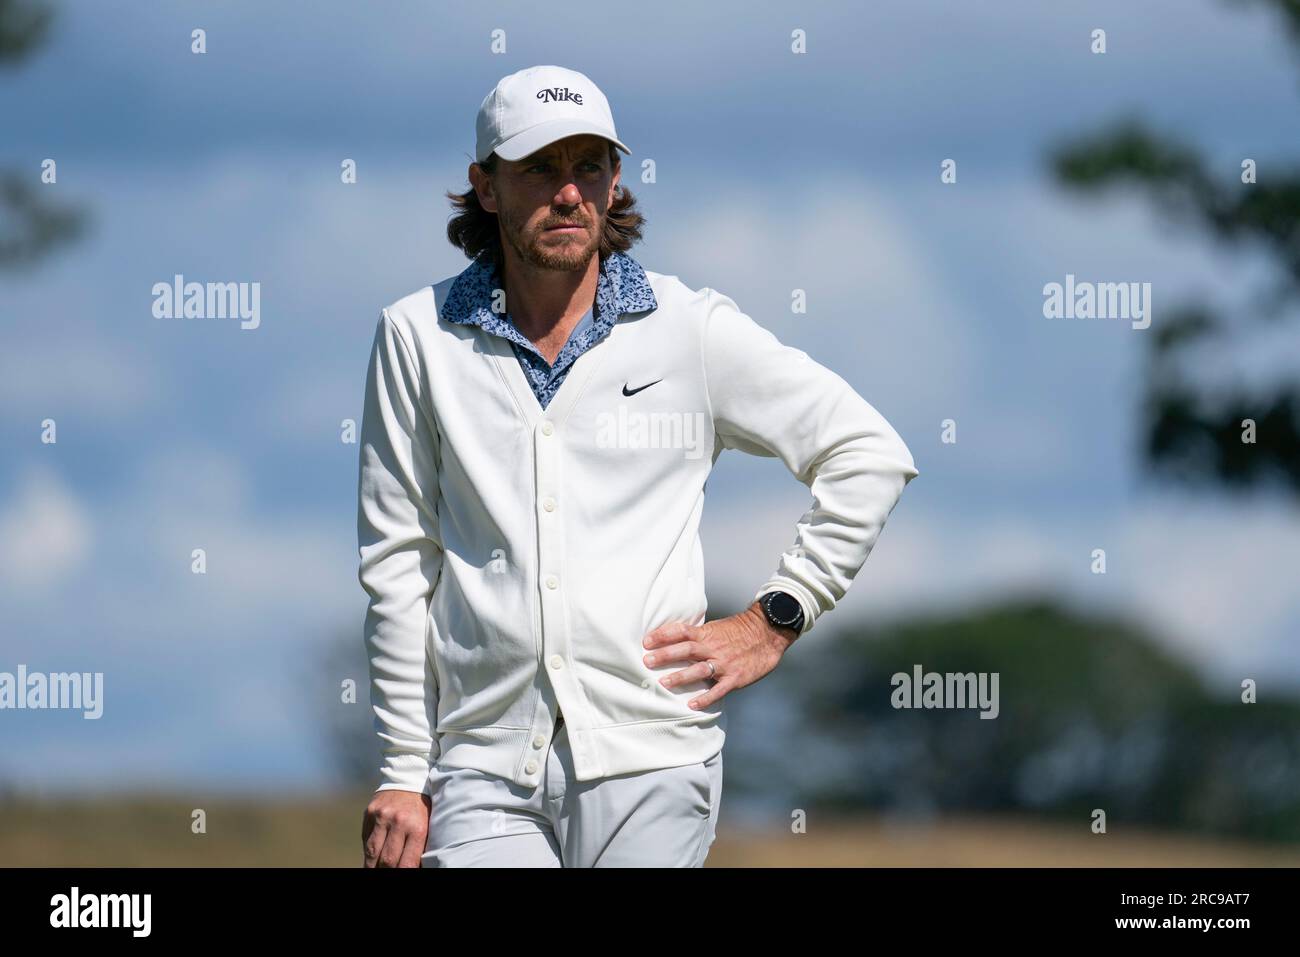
(565, 228)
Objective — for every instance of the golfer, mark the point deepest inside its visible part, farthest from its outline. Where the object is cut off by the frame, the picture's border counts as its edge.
(536, 438)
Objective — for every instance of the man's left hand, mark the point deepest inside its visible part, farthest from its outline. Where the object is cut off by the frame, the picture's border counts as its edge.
(743, 648)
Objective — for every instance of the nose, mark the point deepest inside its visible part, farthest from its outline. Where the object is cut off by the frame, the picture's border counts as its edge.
(568, 196)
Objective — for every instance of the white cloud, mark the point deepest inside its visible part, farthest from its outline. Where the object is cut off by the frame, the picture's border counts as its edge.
(45, 532)
(1222, 576)
(880, 311)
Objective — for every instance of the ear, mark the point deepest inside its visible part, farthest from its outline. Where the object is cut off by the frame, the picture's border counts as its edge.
(613, 186)
(482, 184)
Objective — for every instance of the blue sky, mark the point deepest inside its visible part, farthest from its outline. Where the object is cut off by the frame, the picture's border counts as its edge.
(773, 172)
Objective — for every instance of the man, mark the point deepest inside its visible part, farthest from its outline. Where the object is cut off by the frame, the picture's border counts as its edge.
(537, 435)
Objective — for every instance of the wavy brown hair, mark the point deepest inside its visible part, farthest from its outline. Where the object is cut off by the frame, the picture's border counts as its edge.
(475, 231)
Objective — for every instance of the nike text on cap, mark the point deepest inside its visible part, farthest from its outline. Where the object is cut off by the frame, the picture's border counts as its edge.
(539, 105)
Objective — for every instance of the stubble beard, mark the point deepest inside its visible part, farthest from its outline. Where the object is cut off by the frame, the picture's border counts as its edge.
(568, 256)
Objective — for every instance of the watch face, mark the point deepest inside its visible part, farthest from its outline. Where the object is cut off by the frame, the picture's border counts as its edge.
(782, 609)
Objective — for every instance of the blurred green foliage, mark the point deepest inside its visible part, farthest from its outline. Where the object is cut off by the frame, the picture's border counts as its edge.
(1093, 713)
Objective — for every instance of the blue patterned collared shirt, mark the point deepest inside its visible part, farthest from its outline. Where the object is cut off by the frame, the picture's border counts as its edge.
(621, 288)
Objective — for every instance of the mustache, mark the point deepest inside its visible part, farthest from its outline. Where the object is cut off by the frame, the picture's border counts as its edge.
(553, 225)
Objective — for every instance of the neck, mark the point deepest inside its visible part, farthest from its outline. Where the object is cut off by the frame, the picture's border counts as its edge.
(545, 302)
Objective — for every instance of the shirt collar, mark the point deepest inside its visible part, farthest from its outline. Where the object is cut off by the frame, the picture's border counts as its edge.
(621, 288)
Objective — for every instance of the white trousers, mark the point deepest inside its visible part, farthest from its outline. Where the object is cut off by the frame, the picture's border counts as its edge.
(661, 818)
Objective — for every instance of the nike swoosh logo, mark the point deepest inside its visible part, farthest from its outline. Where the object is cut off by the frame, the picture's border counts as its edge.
(627, 391)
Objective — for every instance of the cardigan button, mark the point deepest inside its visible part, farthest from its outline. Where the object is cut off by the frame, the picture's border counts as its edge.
(531, 767)
(547, 427)
(538, 742)
(548, 504)
(552, 582)
(557, 662)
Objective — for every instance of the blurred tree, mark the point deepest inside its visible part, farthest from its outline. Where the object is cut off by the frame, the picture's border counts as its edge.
(1193, 431)
(1092, 713)
(30, 226)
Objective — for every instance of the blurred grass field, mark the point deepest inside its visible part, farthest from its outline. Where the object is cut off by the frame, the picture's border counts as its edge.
(154, 831)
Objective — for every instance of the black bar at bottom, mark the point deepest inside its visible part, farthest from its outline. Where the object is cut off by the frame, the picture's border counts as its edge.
(304, 906)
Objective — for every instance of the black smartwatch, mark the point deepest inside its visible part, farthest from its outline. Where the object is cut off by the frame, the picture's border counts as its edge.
(782, 610)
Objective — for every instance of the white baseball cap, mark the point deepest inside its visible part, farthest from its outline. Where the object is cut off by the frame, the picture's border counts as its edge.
(539, 105)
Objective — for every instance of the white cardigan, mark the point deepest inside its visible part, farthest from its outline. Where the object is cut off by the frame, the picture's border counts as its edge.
(515, 557)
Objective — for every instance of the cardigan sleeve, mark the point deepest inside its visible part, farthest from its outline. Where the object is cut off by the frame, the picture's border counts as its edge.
(400, 558)
(770, 399)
